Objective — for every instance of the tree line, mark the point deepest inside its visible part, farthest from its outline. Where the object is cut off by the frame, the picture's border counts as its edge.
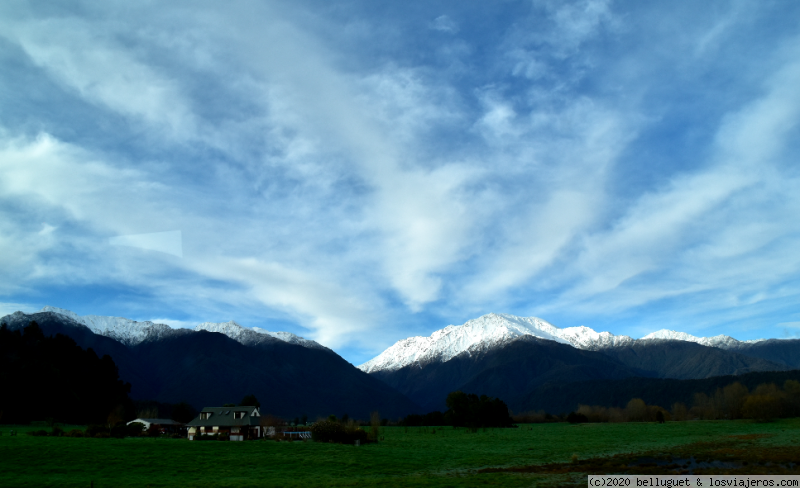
(765, 402)
(465, 410)
(53, 378)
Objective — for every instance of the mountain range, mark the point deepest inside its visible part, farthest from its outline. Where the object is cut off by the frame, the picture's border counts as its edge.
(511, 357)
(525, 361)
(221, 363)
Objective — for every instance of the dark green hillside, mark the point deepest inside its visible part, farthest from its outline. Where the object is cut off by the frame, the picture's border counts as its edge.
(52, 377)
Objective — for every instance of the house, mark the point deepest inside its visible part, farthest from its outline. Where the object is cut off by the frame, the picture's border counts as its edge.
(240, 423)
(164, 425)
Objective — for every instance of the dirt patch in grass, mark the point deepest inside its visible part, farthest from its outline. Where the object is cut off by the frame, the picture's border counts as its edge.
(734, 455)
(750, 437)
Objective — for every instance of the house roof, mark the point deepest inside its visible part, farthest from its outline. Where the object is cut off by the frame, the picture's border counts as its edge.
(156, 421)
(224, 417)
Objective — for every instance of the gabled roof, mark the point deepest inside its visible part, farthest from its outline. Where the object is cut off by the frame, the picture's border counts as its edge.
(224, 417)
(157, 421)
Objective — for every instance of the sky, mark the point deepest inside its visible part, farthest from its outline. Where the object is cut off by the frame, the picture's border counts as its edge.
(358, 172)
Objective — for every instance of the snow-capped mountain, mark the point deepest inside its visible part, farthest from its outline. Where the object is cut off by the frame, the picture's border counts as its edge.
(131, 332)
(126, 331)
(491, 330)
(721, 341)
(250, 336)
(482, 334)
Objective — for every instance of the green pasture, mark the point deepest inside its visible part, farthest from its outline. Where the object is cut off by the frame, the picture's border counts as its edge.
(418, 456)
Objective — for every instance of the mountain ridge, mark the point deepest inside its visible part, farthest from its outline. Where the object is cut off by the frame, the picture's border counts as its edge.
(493, 330)
(131, 332)
(206, 367)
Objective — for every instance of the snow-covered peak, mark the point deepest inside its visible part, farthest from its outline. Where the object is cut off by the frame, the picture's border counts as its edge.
(721, 341)
(490, 330)
(290, 338)
(255, 335)
(126, 331)
(230, 329)
(480, 334)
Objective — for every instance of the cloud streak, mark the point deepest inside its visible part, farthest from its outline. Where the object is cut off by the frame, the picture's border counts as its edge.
(543, 158)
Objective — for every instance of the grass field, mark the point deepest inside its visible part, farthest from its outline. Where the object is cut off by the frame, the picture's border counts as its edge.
(532, 455)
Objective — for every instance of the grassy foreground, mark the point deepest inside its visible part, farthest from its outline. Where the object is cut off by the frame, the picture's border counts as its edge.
(532, 455)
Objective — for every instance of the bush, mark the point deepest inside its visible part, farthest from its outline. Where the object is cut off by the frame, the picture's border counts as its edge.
(577, 418)
(38, 433)
(57, 431)
(329, 431)
(102, 435)
(135, 429)
(94, 430)
(119, 431)
(74, 433)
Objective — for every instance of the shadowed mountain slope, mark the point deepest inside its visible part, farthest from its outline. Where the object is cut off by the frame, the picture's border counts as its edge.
(513, 369)
(687, 360)
(504, 371)
(208, 368)
(782, 351)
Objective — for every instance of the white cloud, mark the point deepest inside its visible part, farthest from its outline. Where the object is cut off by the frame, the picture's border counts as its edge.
(9, 308)
(717, 215)
(87, 60)
(444, 23)
(342, 185)
(169, 242)
(329, 310)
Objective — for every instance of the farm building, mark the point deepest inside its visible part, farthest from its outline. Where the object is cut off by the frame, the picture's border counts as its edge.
(240, 423)
(164, 425)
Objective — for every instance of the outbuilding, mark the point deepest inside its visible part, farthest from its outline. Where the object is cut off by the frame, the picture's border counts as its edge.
(164, 425)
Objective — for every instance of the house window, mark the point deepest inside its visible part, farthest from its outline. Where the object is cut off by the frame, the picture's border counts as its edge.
(205, 415)
(239, 415)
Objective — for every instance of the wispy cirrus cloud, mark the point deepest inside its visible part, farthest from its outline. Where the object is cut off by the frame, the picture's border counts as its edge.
(353, 173)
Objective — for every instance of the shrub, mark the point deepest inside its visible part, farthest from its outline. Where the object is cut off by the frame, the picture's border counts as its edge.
(74, 433)
(636, 410)
(577, 418)
(134, 429)
(119, 431)
(37, 433)
(328, 431)
(102, 435)
(57, 431)
(94, 430)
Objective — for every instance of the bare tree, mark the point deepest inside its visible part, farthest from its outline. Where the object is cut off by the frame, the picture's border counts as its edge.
(374, 426)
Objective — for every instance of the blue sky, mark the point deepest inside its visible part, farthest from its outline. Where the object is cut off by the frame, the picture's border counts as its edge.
(358, 172)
